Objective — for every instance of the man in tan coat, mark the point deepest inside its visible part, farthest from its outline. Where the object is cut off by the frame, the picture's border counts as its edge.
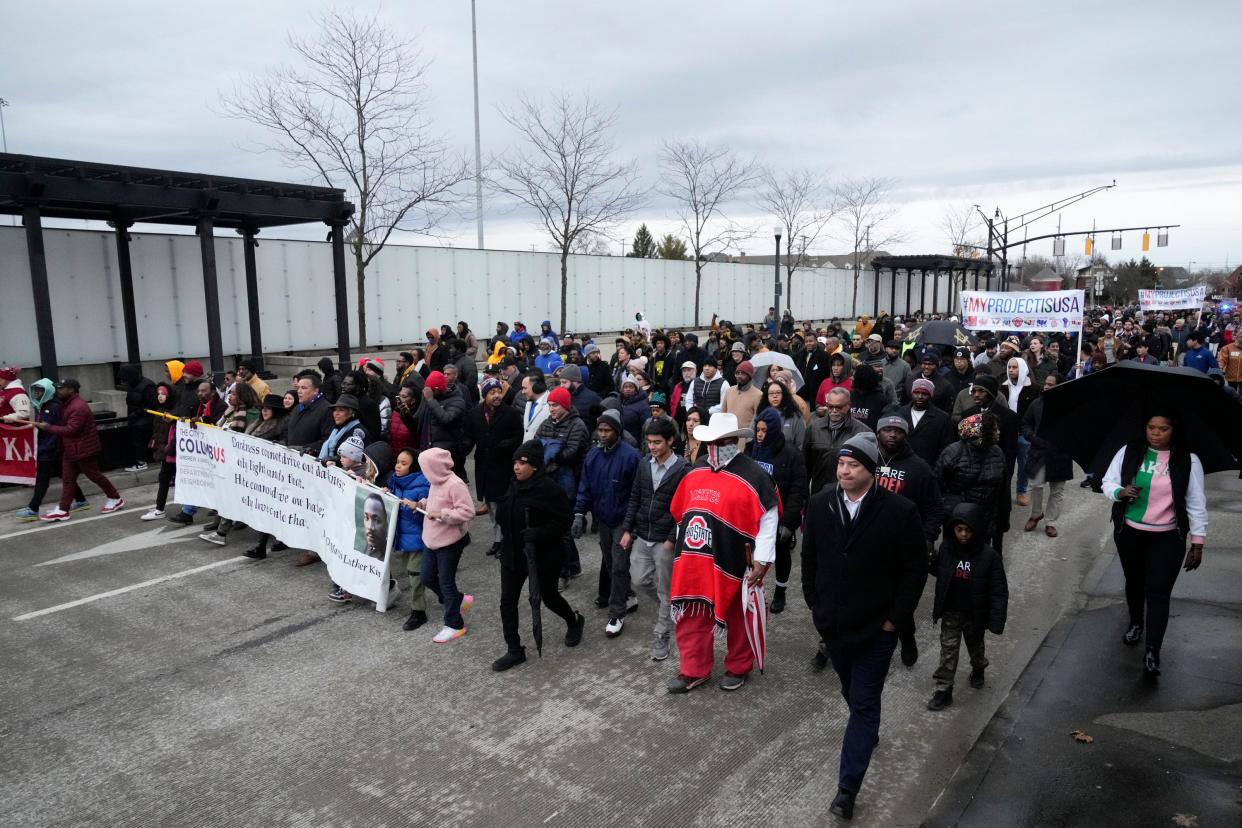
(743, 398)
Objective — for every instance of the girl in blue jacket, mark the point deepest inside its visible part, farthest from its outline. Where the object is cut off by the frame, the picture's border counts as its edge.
(410, 486)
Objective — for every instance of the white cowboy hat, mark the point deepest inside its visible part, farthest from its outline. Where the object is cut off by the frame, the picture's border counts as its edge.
(720, 427)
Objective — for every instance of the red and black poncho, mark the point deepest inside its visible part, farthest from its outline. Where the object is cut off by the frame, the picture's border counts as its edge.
(717, 514)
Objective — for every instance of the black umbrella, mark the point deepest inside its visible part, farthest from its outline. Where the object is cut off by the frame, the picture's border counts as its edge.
(942, 332)
(532, 589)
(1092, 417)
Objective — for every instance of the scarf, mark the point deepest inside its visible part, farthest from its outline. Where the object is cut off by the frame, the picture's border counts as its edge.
(302, 406)
(329, 445)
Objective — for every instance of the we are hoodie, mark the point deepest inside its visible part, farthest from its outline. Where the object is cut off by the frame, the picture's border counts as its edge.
(449, 497)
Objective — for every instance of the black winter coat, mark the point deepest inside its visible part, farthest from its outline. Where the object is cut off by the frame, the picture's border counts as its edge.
(788, 471)
(969, 473)
(444, 414)
(1057, 465)
(647, 514)
(139, 396)
(906, 474)
(599, 378)
(493, 443)
(856, 579)
(989, 591)
(932, 435)
(310, 427)
(550, 514)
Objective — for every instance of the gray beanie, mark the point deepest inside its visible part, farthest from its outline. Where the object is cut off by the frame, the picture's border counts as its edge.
(612, 417)
(570, 373)
(863, 448)
(352, 449)
(893, 421)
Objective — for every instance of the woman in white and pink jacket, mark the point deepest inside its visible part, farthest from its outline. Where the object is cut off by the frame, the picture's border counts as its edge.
(448, 509)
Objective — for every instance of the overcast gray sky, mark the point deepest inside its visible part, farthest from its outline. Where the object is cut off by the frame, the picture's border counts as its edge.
(991, 103)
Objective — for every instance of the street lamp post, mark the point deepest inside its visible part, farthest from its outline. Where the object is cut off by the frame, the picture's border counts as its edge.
(776, 274)
(4, 138)
(478, 144)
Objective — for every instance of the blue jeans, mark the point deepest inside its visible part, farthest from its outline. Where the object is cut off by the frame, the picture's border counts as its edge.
(862, 669)
(1024, 445)
(439, 574)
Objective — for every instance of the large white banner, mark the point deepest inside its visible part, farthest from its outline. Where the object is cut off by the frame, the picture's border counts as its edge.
(1039, 311)
(1162, 300)
(307, 505)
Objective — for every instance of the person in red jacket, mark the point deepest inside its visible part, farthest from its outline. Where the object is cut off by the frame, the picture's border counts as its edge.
(80, 451)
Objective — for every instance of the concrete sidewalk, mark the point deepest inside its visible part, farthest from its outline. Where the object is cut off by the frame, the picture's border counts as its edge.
(1168, 753)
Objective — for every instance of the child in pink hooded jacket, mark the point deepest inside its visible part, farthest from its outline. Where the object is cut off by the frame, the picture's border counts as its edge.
(449, 508)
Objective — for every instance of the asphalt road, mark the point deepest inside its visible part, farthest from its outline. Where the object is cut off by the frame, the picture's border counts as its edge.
(152, 679)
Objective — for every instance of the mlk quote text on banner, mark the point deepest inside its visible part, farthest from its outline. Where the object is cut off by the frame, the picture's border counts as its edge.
(292, 496)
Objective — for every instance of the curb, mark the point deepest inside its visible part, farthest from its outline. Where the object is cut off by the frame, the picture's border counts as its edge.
(958, 795)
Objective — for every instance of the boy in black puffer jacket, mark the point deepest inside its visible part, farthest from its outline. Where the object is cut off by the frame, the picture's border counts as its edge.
(971, 597)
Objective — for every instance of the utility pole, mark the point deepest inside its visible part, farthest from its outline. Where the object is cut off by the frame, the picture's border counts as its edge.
(4, 137)
(478, 145)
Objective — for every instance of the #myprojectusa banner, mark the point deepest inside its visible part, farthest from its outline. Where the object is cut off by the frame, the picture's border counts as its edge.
(291, 496)
(1184, 299)
(1044, 310)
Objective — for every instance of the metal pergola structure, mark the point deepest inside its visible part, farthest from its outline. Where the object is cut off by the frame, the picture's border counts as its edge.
(37, 188)
(938, 265)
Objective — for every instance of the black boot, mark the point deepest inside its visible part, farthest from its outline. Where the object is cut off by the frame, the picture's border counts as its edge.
(976, 678)
(941, 699)
(573, 636)
(510, 659)
(417, 619)
(494, 551)
(820, 660)
(843, 804)
(778, 601)
(1133, 635)
(258, 553)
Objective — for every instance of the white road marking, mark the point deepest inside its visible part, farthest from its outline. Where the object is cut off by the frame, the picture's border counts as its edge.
(132, 543)
(73, 521)
(112, 592)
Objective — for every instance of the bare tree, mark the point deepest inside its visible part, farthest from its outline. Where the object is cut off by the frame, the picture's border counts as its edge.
(803, 205)
(352, 114)
(963, 228)
(566, 172)
(702, 179)
(864, 216)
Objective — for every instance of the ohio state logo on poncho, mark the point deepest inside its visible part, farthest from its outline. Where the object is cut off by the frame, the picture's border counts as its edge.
(697, 533)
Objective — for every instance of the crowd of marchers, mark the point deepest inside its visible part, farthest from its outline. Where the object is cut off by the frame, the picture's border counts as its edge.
(701, 463)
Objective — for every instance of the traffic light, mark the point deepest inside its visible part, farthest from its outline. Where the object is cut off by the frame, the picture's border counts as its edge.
(1146, 241)
(1090, 244)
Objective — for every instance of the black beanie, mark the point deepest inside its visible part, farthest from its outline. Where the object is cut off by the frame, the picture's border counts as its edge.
(531, 452)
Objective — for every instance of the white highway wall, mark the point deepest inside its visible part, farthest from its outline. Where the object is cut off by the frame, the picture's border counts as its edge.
(408, 290)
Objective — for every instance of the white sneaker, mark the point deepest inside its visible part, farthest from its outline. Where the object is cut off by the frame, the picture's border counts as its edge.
(212, 537)
(154, 514)
(447, 634)
(53, 516)
(137, 467)
(614, 627)
(113, 505)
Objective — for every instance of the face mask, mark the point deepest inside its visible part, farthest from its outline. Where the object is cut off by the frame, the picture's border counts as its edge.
(718, 456)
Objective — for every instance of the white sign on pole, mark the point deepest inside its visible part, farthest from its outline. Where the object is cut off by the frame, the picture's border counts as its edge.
(272, 489)
(1035, 312)
(1185, 299)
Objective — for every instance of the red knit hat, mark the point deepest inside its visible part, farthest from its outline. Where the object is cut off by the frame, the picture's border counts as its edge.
(561, 397)
(8, 373)
(436, 382)
(193, 368)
